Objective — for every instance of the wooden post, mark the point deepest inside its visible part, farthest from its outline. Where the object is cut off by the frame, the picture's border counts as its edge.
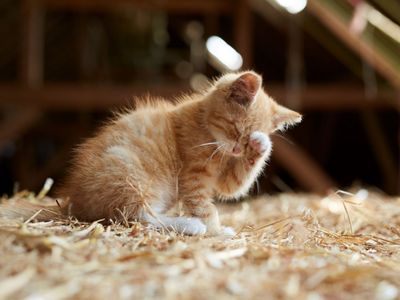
(31, 72)
(243, 32)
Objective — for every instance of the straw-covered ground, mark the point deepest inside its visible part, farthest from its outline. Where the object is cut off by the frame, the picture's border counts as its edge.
(288, 246)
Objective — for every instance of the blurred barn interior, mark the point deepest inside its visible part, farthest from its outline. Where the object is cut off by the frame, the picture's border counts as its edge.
(66, 64)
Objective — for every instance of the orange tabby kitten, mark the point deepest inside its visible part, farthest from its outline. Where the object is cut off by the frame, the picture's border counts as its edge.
(212, 145)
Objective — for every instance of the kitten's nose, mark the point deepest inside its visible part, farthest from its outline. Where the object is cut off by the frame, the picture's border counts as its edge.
(237, 149)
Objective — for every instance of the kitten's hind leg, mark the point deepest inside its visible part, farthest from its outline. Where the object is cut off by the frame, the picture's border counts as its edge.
(183, 225)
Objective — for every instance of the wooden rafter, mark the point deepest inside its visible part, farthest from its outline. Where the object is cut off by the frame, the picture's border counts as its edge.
(389, 7)
(172, 6)
(31, 68)
(244, 32)
(329, 18)
(89, 97)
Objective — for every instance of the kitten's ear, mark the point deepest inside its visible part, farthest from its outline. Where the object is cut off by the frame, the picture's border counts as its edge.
(244, 89)
(284, 118)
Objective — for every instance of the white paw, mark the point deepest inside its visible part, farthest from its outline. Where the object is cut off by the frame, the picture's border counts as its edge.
(228, 231)
(260, 142)
(189, 226)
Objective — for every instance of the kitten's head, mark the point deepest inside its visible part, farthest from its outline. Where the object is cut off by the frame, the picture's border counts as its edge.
(239, 106)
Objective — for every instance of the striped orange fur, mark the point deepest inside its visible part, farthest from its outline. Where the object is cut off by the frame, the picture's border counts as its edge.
(207, 146)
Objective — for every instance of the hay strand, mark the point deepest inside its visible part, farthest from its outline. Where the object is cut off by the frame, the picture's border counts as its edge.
(291, 246)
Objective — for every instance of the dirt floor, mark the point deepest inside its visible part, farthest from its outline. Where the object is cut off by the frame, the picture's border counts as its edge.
(289, 246)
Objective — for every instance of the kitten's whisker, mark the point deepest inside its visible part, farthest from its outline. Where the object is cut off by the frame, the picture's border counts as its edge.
(258, 187)
(207, 144)
(214, 152)
(221, 160)
(284, 138)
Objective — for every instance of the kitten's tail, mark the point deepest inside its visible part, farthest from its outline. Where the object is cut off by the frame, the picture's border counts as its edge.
(21, 209)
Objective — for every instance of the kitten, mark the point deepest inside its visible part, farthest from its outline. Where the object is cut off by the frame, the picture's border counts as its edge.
(210, 145)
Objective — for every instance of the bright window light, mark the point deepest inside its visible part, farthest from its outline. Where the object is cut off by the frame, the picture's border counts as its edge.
(223, 54)
(292, 6)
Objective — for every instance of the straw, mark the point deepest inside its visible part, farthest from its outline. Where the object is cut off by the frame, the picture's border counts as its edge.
(289, 246)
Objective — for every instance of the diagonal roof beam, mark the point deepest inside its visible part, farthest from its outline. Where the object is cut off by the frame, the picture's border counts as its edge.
(331, 19)
(390, 8)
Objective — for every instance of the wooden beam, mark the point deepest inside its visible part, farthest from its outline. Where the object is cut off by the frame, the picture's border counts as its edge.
(95, 97)
(279, 19)
(31, 69)
(302, 167)
(171, 6)
(341, 30)
(269, 13)
(82, 97)
(389, 7)
(243, 32)
(339, 96)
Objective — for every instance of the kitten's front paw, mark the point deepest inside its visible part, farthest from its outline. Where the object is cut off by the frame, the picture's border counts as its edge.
(189, 226)
(259, 145)
(222, 231)
(260, 142)
(228, 231)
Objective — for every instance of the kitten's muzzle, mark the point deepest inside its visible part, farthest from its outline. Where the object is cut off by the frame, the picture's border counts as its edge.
(237, 150)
